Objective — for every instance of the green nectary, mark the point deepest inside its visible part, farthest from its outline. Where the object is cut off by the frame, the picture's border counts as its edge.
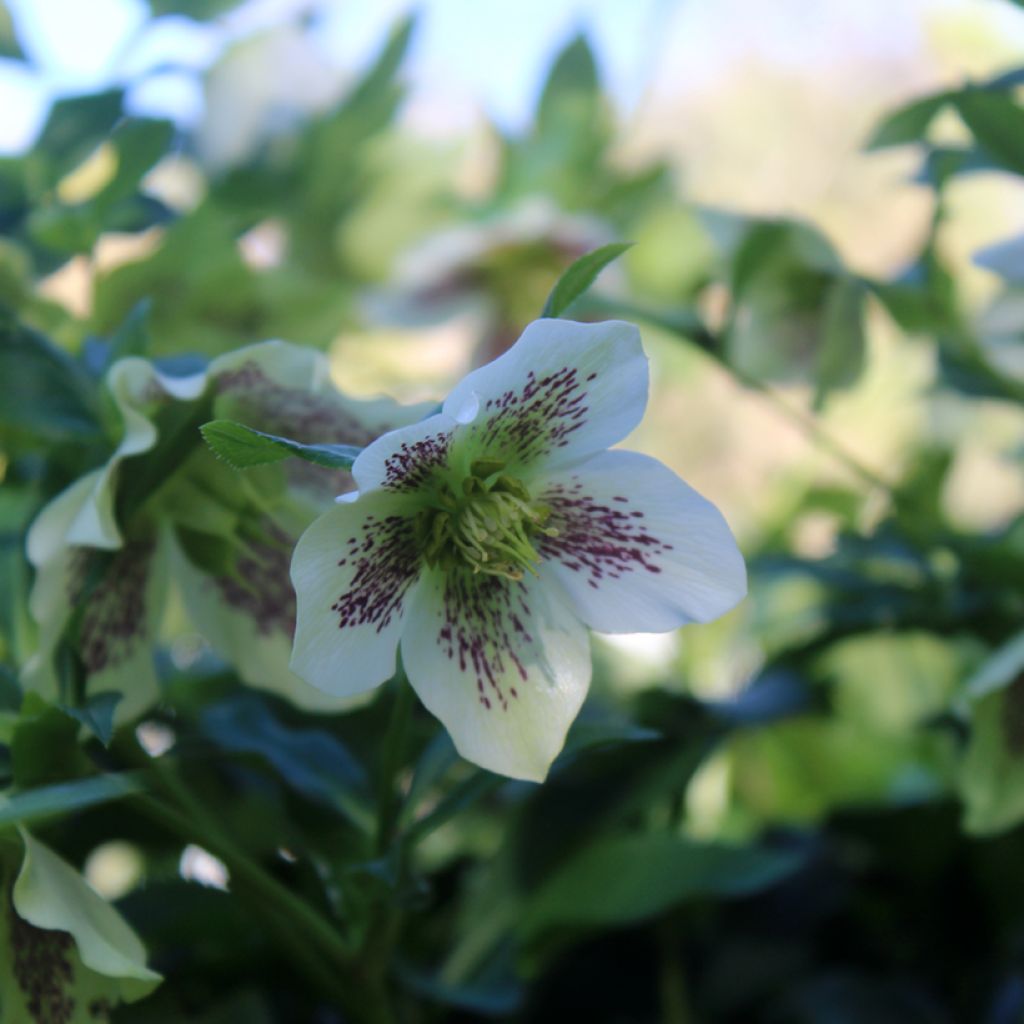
(486, 522)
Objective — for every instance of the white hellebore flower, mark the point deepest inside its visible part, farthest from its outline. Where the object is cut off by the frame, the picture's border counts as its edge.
(486, 538)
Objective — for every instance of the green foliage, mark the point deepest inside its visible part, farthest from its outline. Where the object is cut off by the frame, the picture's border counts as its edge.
(580, 276)
(771, 855)
(242, 447)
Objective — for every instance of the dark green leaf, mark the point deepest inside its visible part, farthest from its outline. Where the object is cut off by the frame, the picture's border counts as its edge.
(9, 45)
(840, 358)
(909, 123)
(997, 123)
(132, 337)
(619, 880)
(43, 391)
(580, 276)
(241, 447)
(311, 761)
(44, 747)
(573, 76)
(198, 10)
(75, 127)
(58, 800)
(97, 714)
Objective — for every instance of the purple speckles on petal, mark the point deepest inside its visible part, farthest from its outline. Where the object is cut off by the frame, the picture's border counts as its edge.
(42, 969)
(600, 541)
(260, 587)
(383, 563)
(114, 618)
(484, 635)
(533, 420)
(413, 465)
(298, 413)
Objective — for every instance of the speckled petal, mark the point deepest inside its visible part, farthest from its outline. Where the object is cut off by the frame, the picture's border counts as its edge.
(118, 625)
(406, 459)
(248, 617)
(287, 389)
(504, 665)
(563, 391)
(352, 571)
(638, 550)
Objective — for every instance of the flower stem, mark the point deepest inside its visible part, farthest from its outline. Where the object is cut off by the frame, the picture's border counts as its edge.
(388, 797)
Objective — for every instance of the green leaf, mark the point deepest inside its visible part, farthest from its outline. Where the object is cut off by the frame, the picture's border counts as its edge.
(620, 880)
(59, 800)
(241, 447)
(909, 123)
(75, 127)
(97, 714)
(573, 76)
(997, 123)
(9, 45)
(991, 779)
(43, 392)
(840, 358)
(197, 10)
(580, 276)
(311, 761)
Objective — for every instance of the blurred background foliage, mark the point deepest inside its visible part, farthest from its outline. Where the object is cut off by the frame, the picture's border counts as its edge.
(809, 811)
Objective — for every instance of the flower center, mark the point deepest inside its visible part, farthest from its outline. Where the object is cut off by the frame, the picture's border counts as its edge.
(486, 524)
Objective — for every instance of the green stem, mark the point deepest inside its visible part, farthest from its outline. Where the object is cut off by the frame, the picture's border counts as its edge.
(389, 799)
(305, 936)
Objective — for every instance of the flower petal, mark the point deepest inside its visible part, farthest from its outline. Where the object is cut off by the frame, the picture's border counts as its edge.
(563, 391)
(287, 389)
(638, 550)
(249, 618)
(352, 570)
(504, 665)
(405, 459)
(117, 628)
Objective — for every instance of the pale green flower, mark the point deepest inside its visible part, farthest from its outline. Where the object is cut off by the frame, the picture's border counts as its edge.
(485, 539)
(221, 539)
(65, 953)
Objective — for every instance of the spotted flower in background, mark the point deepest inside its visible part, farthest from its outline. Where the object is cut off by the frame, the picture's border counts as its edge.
(486, 538)
(66, 955)
(106, 548)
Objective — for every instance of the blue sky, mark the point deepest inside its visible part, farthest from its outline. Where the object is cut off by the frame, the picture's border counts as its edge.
(491, 53)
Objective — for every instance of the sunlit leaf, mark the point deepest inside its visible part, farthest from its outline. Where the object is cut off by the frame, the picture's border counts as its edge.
(580, 276)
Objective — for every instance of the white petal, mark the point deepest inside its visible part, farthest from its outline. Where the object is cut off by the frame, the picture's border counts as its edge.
(352, 570)
(505, 666)
(638, 550)
(563, 391)
(403, 460)
(117, 629)
(249, 619)
(84, 511)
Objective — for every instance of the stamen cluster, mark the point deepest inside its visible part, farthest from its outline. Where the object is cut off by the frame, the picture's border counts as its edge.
(484, 523)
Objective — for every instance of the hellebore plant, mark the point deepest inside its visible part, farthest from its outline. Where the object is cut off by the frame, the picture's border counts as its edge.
(485, 539)
(164, 510)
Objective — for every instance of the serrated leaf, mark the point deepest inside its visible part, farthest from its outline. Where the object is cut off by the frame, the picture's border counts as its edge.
(580, 276)
(242, 447)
